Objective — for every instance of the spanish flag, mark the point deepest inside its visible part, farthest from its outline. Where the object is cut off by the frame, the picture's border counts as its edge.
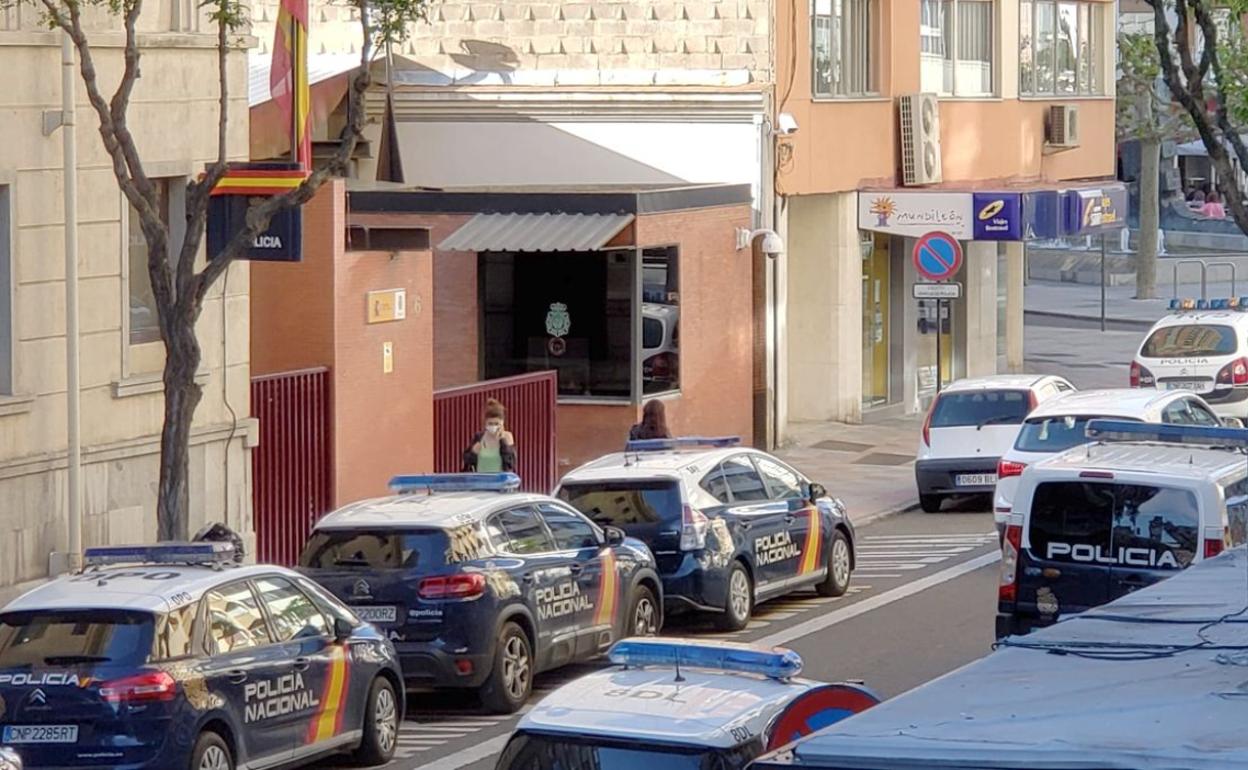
(288, 75)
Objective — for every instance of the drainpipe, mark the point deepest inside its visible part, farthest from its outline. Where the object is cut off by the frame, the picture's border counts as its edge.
(69, 148)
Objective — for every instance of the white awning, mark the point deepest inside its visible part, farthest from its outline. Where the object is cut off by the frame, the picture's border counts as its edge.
(536, 232)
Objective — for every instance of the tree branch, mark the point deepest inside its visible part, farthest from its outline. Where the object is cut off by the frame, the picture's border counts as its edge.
(120, 102)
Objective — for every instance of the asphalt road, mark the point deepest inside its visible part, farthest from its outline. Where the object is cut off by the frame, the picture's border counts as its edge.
(921, 604)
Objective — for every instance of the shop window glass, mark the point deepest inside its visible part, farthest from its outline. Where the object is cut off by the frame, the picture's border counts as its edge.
(660, 320)
(1060, 47)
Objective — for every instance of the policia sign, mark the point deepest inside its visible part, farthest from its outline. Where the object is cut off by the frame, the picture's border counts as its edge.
(227, 211)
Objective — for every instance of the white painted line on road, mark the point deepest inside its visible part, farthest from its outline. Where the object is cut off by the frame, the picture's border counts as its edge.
(865, 573)
(879, 600)
(469, 755)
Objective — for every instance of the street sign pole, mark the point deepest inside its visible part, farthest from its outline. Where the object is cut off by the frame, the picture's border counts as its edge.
(940, 332)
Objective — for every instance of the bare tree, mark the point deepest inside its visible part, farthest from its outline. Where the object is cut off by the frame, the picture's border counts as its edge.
(179, 287)
(1150, 118)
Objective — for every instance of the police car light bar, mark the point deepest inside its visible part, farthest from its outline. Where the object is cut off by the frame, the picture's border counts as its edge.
(212, 553)
(1178, 305)
(1125, 430)
(775, 662)
(684, 442)
(455, 482)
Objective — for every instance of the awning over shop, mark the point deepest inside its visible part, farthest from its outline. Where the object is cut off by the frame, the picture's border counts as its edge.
(536, 232)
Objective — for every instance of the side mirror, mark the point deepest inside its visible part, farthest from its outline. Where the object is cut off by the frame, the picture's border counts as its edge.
(816, 491)
(613, 536)
(1232, 422)
(342, 629)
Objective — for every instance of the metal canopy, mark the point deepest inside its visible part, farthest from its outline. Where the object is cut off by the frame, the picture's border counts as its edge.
(536, 232)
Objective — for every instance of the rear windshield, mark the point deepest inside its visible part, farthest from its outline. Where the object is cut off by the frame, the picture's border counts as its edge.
(376, 549)
(1114, 524)
(1190, 340)
(623, 503)
(981, 407)
(651, 332)
(1055, 434)
(531, 751)
(38, 639)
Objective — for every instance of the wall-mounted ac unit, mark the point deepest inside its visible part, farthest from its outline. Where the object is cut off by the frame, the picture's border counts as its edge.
(920, 139)
(1063, 128)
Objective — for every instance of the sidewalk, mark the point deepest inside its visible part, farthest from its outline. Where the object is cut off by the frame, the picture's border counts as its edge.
(869, 467)
(1081, 301)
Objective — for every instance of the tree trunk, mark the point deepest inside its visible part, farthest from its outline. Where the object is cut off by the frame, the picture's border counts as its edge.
(182, 395)
(1150, 219)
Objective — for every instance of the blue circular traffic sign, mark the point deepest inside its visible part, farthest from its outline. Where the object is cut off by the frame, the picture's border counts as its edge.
(937, 256)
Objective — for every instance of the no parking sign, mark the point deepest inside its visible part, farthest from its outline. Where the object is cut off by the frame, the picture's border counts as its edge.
(937, 256)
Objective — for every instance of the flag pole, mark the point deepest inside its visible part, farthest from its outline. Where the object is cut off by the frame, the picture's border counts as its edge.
(296, 50)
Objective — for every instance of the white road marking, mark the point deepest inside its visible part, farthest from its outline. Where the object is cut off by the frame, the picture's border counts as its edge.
(864, 573)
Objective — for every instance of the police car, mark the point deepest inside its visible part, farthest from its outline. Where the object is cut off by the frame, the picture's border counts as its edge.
(481, 587)
(679, 705)
(730, 526)
(173, 656)
(1200, 346)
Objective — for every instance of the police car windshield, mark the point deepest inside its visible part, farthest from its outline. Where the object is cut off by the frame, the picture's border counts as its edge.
(35, 639)
(1190, 340)
(532, 751)
(375, 549)
(980, 407)
(1055, 434)
(625, 503)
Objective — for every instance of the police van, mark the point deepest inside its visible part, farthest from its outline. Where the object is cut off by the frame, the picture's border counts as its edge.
(1107, 518)
(679, 705)
(482, 587)
(174, 656)
(729, 526)
(1202, 347)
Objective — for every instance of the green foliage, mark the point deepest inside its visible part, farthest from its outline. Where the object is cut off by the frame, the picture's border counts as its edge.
(1143, 111)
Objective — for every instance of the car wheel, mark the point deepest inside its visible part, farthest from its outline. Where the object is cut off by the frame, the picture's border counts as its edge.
(211, 753)
(381, 725)
(839, 567)
(740, 601)
(930, 503)
(511, 680)
(643, 614)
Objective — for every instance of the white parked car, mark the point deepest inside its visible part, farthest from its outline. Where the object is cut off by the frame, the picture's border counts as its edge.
(970, 426)
(1200, 347)
(1060, 424)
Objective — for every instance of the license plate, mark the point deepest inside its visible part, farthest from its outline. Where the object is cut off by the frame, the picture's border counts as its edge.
(40, 734)
(975, 479)
(1195, 385)
(376, 614)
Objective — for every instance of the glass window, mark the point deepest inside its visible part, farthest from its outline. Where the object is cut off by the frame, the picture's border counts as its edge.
(1056, 434)
(1060, 47)
(980, 407)
(715, 484)
(957, 46)
(534, 751)
(524, 531)
(374, 549)
(660, 320)
(40, 639)
(143, 323)
(1070, 513)
(1237, 511)
(174, 632)
(743, 480)
(1202, 415)
(783, 483)
(292, 612)
(235, 621)
(571, 531)
(328, 603)
(1190, 340)
(843, 40)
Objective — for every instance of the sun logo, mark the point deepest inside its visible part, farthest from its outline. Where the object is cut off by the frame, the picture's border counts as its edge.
(883, 208)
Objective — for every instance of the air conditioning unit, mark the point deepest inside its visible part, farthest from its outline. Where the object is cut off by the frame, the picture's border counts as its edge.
(1063, 128)
(920, 139)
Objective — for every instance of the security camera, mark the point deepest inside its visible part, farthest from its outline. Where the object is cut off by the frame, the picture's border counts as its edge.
(772, 245)
(786, 124)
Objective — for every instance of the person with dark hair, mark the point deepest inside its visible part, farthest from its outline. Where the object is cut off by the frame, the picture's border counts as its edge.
(494, 448)
(653, 422)
(1196, 200)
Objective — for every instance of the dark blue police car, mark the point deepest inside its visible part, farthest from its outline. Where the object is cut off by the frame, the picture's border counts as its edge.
(481, 587)
(729, 526)
(172, 656)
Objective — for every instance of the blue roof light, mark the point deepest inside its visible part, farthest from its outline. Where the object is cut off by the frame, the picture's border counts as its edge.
(160, 553)
(455, 482)
(1219, 304)
(684, 442)
(1202, 304)
(1125, 430)
(774, 662)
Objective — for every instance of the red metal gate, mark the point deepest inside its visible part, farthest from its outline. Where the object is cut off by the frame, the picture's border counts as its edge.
(530, 402)
(291, 480)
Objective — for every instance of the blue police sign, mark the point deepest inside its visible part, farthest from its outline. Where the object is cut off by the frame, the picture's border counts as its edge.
(281, 242)
(937, 256)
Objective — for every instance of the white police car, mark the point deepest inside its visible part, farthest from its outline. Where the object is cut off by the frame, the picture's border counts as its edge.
(1201, 346)
(174, 656)
(672, 704)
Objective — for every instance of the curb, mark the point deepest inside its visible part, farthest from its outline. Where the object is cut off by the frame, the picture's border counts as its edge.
(871, 518)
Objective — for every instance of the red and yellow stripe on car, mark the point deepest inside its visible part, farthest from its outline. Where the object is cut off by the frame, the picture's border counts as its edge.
(608, 592)
(328, 721)
(814, 544)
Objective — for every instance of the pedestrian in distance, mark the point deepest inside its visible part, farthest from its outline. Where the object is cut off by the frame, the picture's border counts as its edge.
(1213, 207)
(653, 422)
(493, 450)
(1196, 199)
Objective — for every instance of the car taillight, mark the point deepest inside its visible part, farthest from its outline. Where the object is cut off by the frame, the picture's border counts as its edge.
(463, 586)
(1213, 547)
(1141, 377)
(927, 423)
(1010, 546)
(1008, 468)
(141, 688)
(1031, 400)
(1234, 373)
(693, 526)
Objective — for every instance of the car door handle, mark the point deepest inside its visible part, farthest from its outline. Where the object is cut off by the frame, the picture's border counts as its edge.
(576, 569)
(745, 526)
(236, 676)
(1136, 580)
(301, 664)
(527, 577)
(789, 518)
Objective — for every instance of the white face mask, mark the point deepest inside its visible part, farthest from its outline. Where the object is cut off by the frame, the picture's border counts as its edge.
(494, 430)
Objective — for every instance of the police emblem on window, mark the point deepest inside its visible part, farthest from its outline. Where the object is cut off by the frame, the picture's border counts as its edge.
(558, 324)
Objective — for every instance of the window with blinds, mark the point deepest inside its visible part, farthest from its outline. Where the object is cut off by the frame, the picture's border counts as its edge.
(843, 35)
(1060, 48)
(957, 47)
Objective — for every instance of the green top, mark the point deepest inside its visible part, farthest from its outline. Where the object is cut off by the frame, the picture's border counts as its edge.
(489, 460)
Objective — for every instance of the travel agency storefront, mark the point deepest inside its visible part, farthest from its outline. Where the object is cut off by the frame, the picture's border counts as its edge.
(982, 332)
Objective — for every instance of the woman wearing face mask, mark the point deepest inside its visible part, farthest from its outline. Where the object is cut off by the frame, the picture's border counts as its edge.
(494, 449)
